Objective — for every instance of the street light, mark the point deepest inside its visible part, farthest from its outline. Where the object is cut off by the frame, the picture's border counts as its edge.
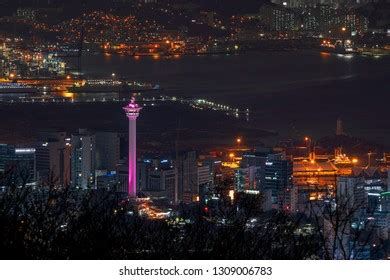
(343, 35)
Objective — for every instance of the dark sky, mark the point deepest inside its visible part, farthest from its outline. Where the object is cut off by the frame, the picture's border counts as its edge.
(230, 6)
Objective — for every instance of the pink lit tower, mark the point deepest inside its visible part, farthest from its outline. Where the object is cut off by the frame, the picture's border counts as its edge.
(132, 112)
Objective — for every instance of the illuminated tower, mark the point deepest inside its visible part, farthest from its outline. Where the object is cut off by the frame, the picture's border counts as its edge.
(132, 112)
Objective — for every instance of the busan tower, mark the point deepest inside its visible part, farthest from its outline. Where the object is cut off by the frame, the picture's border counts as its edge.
(132, 112)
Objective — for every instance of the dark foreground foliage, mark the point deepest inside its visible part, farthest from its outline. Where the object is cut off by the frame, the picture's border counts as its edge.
(50, 223)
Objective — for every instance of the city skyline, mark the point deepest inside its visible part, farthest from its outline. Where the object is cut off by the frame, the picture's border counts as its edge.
(194, 130)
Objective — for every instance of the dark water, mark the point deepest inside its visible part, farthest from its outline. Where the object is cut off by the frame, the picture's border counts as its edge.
(293, 93)
(290, 93)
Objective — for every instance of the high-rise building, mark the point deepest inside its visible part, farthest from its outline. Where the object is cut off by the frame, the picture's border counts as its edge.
(326, 14)
(278, 18)
(278, 175)
(215, 166)
(247, 178)
(187, 173)
(122, 177)
(205, 175)
(2, 66)
(17, 165)
(6, 154)
(107, 150)
(362, 189)
(311, 21)
(162, 181)
(83, 159)
(157, 176)
(106, 180)
(205, 179)
(355, 23)
(252, 168)
(144, 166)
(53, 153)
(257, 158)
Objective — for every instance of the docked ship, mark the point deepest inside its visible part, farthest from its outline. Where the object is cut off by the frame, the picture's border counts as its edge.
(16, 88)
(99, 86)
(339, 47)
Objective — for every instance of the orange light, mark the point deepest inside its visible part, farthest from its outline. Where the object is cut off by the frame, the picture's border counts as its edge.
(231, 155)
(238, 140)
(355, 160)
(67, 95)
(12, 75)
(307, 138)
(167, 41)
(231, 194)
(68, 77)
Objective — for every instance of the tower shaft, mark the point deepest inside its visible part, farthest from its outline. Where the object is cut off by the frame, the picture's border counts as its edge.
(132, 184)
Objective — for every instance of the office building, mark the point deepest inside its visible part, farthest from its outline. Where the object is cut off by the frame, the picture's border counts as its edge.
(17, 165)
(247, 178)
(278, 178)
(277, 18)
(187, 172)
(53, 155)
(83, 159)
(107, 150)
(106, 180)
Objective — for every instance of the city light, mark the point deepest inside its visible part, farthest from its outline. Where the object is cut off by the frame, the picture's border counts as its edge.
(240, 148)
(231, 195)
